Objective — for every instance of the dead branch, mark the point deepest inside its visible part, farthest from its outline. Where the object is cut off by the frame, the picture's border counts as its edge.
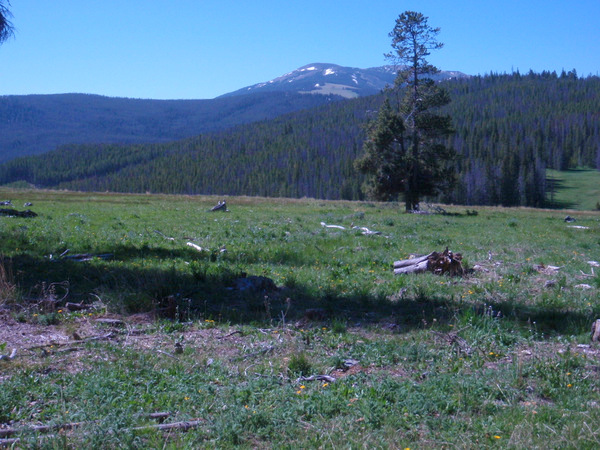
(231, 334)
(181, 426)
(77, 341)
(455, 340)
(77, 306)
(164, 235)
(366, 231)
(194, 246)
(5, 432)
(108, 321)
(81, 257)
(327, 378)
(9, 357)
(338, 227)
(262, 351)
(178, 426)
(167, 354)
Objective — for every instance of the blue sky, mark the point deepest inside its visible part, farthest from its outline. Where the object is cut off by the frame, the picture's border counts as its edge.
(175, 49)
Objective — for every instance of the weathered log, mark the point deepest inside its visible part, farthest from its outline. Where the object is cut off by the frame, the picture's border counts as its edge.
(411, 261)
(419, 267)
(438, 263)
(221, 206)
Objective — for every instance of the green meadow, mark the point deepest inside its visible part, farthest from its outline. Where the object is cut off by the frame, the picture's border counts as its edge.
(336, 352)
(576, 189)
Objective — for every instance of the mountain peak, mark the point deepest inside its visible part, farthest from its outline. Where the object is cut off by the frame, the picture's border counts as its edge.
(332, 79)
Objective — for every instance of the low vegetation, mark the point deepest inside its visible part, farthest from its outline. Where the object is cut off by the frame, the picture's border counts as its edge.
(575, 189)
(116, 317)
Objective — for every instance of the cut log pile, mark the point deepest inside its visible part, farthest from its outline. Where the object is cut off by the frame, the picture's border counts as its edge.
(444, 263)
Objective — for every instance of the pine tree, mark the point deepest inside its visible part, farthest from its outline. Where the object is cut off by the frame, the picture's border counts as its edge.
(6, 28)
(405, 150)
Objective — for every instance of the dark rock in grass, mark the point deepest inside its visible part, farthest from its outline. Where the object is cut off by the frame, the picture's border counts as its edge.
(255, 284)
(15, 213)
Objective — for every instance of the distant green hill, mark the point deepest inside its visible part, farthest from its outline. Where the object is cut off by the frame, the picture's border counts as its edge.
(509, 130)
(574, 189)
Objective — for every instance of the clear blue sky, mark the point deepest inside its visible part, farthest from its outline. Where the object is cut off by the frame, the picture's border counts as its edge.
(204, 48)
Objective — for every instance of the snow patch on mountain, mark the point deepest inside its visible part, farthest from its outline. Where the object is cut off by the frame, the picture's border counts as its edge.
(349, 82)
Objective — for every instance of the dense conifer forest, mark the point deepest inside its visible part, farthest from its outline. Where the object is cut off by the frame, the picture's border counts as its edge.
(509, 129)
(36, 124)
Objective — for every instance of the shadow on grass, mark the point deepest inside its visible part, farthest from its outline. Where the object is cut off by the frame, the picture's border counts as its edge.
(208, 291)
(552, 186)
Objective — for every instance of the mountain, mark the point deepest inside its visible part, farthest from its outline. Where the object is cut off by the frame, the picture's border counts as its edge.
(35, 124)
(331, 79)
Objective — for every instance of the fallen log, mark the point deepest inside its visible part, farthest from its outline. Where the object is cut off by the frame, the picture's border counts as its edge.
(412, 261)
(442, 263)
(418, 267)
(221, 206)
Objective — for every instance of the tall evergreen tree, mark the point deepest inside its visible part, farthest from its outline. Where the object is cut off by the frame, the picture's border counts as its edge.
(414, 161)
(383, 157)
(6, 28)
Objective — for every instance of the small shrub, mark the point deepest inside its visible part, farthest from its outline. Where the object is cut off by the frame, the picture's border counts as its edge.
(299, 365)
(48, 319)
(338, 326)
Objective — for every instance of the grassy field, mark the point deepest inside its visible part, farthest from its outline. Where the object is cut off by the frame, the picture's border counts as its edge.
(341, 353)
(577, 189)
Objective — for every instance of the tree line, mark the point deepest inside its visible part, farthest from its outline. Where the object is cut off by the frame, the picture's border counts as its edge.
(508, 129)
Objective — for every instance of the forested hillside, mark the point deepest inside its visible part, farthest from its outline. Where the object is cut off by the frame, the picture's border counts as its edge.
(35, 124)
(509, 129)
